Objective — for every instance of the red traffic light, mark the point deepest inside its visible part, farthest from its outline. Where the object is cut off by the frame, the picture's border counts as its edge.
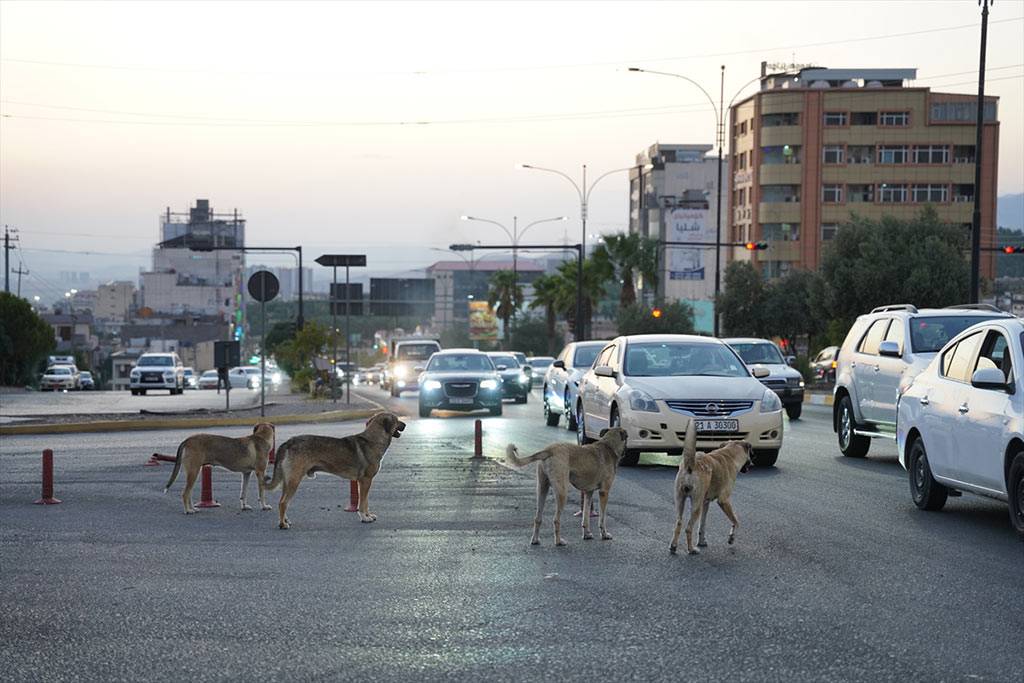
(655, 312)
(1013, 250)
(755, 246)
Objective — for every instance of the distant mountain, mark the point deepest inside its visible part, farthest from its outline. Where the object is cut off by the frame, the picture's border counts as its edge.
(1010, 211)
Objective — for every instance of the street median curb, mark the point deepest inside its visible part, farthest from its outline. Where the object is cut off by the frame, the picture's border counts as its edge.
(183, 423)
(818, 399)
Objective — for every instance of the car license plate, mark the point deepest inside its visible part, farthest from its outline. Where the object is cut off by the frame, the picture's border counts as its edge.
(459, 401)
(718, 426)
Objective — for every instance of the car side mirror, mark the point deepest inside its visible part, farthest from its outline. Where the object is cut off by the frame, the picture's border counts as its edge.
(418, 368)
(990, 378)
(760, 372)
(604, 371)
(499, 368)
(558, 364)
(890, 349)
(791, 360)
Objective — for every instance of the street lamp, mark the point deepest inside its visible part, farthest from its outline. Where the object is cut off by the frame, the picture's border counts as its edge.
(583, 190)
(515, 235)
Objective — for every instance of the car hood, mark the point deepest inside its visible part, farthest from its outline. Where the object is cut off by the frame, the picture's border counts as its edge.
(738, 388)
(778, 370)
(455, 376)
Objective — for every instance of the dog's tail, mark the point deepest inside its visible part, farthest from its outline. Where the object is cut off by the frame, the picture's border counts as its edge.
(512, 456)
(271, 483)
(690, 447)
(177, 465)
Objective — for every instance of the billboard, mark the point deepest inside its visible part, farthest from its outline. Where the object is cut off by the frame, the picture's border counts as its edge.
(689, 225)
(354, 299)
(402, 297)
(483, 324)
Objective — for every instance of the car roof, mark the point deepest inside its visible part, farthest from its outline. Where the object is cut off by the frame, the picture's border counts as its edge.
(591, 342)
(661, 338)
(747, 340)
(447, 351)
(932, 312)
(501, 353)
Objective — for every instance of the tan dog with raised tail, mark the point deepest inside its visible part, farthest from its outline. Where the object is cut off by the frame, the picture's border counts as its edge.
(247, 454)
(356, 457)
(704, 477)
(588, 468)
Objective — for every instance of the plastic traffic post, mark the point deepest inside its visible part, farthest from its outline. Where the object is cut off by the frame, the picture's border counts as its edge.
(478, 439)
(206, 498)
(47, 498)
(353, 496)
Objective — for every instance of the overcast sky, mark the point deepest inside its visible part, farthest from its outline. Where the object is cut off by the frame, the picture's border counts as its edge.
(306, 117)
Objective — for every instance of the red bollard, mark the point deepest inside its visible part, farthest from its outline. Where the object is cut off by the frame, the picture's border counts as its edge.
(47, 498)
(353, 496)
(206, 497)
(478, 440)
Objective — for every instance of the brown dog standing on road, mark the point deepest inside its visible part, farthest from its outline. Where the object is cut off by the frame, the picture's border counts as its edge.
(247, 454)
(588, 468)
(356, 457)
(704, 477)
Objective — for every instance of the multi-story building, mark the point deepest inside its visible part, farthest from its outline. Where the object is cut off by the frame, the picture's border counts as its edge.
(458, 282)
(115, 301)
(810, 149)
(673, 198)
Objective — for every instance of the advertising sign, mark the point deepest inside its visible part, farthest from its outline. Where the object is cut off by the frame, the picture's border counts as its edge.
(483, 324)
(689, 225)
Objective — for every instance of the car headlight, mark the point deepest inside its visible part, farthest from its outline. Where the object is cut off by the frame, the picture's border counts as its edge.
(641, 400)
(431, 385)
(523, 378)
(489, 384)
(770, 402)
(401, 372)
(168, 375)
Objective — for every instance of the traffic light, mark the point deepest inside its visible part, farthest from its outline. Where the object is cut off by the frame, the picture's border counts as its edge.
(755, 246)
(655, 312)
(1013, 250)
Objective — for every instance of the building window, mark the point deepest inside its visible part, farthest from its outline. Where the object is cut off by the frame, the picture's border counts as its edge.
(789, 194)
(892, 154)
(743, 128)
(860, 154)
(963, 193)
(922, 194)
(960, 112)
(834, 154)
(783, 154)
(864, 118)
(933, 154)
(774, 269)
(835, 118)
(828, 231)
(895, 119)
(860, 193)
(780, 232)
(892, 194)
(963, 154)
(785, 119)
(832, 194)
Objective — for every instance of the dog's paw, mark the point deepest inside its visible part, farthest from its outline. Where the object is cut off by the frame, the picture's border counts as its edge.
(560, 541)
(703, 544)
(367, 519)
(693, 551)
(246, 508)
(534, 541)
(190, 512)
(605, 536)
(588, 536)
(731, 539)
(672, 549)
(283, 526)
(265, 507)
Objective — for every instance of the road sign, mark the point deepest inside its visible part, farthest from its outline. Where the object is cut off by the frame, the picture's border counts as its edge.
(342, 260)
(263, 285)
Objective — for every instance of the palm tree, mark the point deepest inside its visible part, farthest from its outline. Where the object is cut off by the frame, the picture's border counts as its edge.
(624, 256)
(595, 275)
(546, 293)
(505, 296)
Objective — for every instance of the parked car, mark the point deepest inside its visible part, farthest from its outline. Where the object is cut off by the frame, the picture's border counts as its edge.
(562, 380)
(884, 349)
(654, 385)
(824, 365)
(191, 379)
(785, 381)
(158, 371)
(960, 422)
(85, 381)
(59, 378)
(407, 360)
(208, 380)
(515, 383)
(525, 365)
(460, 379)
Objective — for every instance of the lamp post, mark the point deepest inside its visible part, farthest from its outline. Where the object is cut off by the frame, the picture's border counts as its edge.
(70, 296)
(583, 191)
(975, 294)
(515, 235)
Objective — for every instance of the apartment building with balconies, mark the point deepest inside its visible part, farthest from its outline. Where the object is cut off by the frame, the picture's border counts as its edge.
(810, 149)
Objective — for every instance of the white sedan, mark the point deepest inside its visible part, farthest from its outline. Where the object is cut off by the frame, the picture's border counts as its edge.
(960, 422)
(654, 385)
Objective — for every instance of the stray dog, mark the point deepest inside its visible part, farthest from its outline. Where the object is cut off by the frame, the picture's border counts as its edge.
(355, 457)
(588, 468)
(704, 477)
(247, 454)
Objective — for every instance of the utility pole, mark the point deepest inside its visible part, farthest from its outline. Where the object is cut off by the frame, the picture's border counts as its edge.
(7, 256)
(975, 294)
(19, 272)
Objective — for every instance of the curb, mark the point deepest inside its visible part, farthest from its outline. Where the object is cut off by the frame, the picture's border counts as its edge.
(146, 425)
(818, 399)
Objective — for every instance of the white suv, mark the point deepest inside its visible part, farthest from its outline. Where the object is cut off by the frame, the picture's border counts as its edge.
(880, 357)
(158, 371)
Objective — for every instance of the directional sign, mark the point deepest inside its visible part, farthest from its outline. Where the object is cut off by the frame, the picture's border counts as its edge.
(342, 260)
(263, 285)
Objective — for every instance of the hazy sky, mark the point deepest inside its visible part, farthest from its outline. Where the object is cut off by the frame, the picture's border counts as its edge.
(294, 113)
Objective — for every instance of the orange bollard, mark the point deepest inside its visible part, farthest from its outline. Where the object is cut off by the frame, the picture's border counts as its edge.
(478, 439)
(47, 498)
(353, 496)
(206, 497)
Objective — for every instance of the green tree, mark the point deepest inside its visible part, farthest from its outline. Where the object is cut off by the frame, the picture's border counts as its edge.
(626, 255)
(278, 334)
(529, 335)
(546, 295)
(741, 303)
(296, 355)
(25, 341)
(674, 318)
(505, 296)
(789, 307)
(595, 275)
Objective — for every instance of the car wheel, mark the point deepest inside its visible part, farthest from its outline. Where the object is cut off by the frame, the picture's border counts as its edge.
(496, 410)
(142, 392)
(630, 456)
(581, 431)
(550, 417)
(395, 392)
(851, 445)
(765, 458)
(927, 493)
(424, 411)
(570, 416)
(521, 399)
(1015, 489)
(793, 410)
(135, 392)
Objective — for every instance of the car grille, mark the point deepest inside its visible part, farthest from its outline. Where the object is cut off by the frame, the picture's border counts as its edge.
(460, 389)
(780, 383)
(709, 407)
(152, 377)
(712, 436)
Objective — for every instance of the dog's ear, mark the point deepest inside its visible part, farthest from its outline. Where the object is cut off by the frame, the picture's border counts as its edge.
(601, 433)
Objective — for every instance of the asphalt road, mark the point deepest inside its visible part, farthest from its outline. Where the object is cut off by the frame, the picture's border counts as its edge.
(835, 575)
(14, 404)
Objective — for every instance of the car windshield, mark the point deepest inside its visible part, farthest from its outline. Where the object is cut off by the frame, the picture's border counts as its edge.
(86, 375)
(541, 363)
(928, 335)
(758, 352)
(159, 361)
(416, 351)
(210, 374)
(188, 373)
(460, 362)
(674, 359)
(507, 361)
(59, 371)
(585, 355)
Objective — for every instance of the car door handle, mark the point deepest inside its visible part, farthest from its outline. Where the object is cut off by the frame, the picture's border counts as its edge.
(963, 409)
(924, 400)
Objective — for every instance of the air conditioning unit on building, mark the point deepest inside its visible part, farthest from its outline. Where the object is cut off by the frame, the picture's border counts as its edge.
(962, 160)
(962, 199)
